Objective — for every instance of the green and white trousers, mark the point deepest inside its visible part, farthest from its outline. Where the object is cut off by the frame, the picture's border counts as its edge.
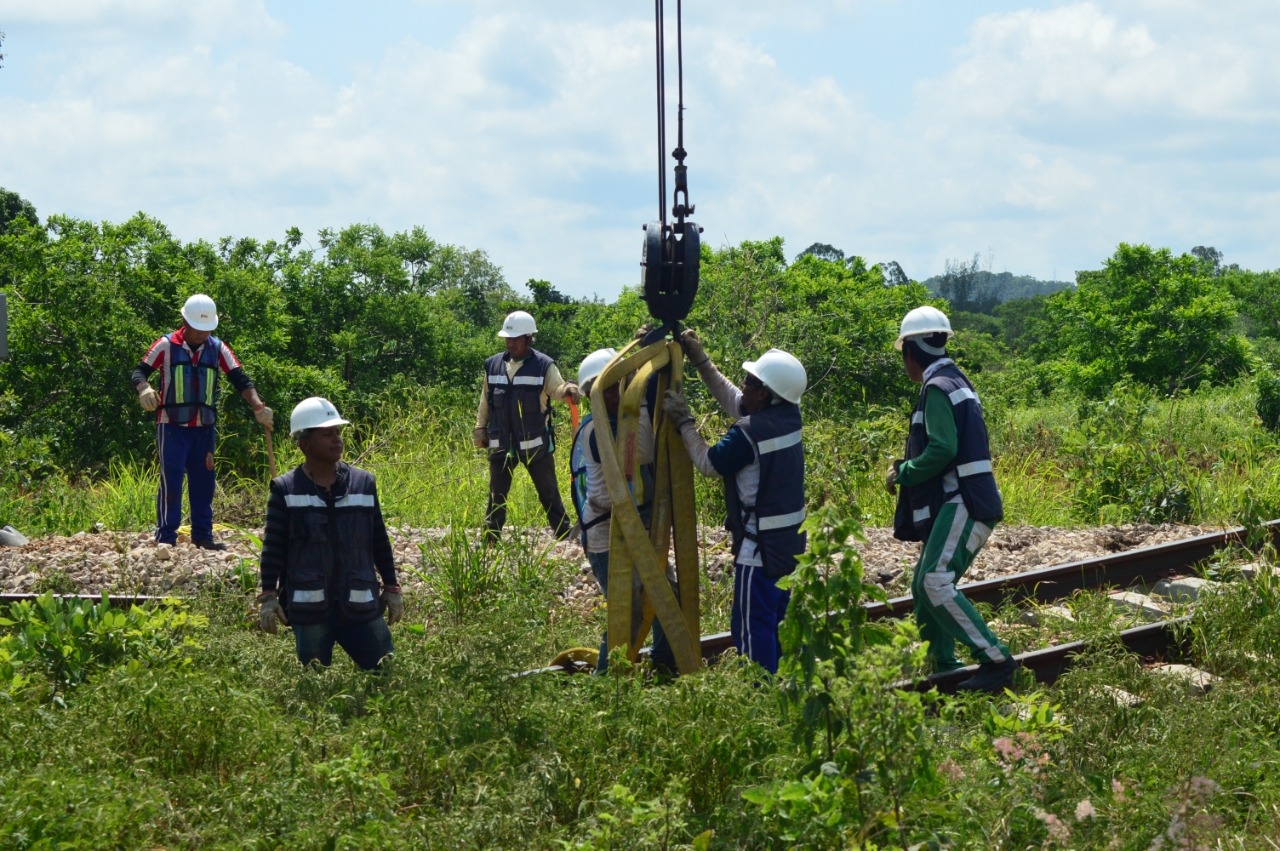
(943, 614)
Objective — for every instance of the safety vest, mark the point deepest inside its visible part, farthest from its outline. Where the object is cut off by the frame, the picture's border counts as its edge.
(773, 521)
(191, 387)
(330, 554)
(641, 487)
(517, 422)
(969, 474)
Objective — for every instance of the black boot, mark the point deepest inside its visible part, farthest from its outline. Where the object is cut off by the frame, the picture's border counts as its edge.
(991, 676)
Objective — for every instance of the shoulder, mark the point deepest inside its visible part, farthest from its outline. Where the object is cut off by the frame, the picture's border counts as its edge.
(360, 475)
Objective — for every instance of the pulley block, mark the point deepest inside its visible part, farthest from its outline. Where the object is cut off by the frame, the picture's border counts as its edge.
(669, 269)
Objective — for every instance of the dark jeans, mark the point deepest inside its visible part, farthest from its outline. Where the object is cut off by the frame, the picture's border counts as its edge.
(662, 656)
(366, 642)
(542, 471)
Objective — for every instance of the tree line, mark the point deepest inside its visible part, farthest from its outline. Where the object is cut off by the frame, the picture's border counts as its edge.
(372, 319)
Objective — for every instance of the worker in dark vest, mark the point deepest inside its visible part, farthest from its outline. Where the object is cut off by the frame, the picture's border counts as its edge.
(761, 459)
(513, 422)
(189, 361)
(326, 566)
(947, 498)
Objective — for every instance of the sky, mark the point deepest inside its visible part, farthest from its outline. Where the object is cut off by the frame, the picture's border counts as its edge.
(1035, 135)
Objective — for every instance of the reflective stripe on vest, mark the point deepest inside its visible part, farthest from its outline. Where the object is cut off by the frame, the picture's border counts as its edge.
(780, 521)
(973, 468)
(349, 500)
(316, 596)
(783, 441)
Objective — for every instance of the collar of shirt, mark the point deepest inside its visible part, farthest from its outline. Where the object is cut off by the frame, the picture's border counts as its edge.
(935, 366)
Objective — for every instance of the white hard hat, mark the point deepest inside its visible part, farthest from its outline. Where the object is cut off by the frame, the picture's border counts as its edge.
(200, 312)
(781, 372)
(314, 412)
(517, 324)
(594, 364)
(922, 322)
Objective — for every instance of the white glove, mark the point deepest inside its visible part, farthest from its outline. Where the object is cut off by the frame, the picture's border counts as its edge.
(269, 612)
(677, 408)
(394, 604)
(692, 346)
(148, 398)
(265, 417)
(571, 392)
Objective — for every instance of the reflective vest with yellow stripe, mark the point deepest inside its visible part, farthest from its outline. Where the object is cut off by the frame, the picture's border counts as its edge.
(192, 387)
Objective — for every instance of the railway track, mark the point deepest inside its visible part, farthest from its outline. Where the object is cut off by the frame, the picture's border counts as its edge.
(1144, 566)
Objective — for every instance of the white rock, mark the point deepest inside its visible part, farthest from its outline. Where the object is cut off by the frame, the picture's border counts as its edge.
(1183, 589)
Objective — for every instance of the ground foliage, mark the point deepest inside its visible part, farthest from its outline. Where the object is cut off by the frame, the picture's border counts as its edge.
(201, 732)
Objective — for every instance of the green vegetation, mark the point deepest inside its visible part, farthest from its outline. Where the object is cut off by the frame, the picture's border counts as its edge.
(1146, 392)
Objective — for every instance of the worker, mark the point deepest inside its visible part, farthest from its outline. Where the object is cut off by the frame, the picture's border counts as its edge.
(513, 422)
(189, 360)
(947, 498)
(324, 549)
(761, 459)
(595, 507)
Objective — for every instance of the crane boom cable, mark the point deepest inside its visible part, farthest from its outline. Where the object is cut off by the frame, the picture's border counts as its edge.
(662, 108)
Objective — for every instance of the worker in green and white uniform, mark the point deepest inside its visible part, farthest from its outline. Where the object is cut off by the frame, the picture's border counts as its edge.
(949, 499)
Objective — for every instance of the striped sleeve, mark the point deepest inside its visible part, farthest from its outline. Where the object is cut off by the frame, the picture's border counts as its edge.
(227, 359)
(275, 540)
(154, 357)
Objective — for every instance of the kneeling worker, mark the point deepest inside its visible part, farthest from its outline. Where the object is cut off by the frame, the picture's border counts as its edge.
(948, 499)
(324, 548)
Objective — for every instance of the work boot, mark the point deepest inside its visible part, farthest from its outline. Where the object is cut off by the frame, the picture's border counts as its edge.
(991, 676)
(210, 544)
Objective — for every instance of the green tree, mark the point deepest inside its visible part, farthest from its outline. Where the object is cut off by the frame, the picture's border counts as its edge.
(1160, 320)
(13, 205)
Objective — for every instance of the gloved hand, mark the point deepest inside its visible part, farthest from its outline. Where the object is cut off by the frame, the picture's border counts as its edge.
(692, 346)
(265, 417)
(148, 398)
(643, 330)
(572, 393)
(393, 602)
(480, 437)
(891, 477)
(677, 408)
(270, 613)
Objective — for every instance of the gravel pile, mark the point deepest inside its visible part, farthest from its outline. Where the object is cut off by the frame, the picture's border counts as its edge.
(132, 563)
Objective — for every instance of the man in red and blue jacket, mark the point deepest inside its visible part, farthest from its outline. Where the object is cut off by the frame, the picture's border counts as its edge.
(189, 361)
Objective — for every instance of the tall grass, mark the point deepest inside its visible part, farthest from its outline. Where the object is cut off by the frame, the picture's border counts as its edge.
(430, 476)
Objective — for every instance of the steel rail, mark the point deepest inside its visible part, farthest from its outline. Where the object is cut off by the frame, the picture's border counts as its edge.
(1144, 564)
(1149, 641)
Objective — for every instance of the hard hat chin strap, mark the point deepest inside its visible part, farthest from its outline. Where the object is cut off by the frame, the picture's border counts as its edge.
(928, 349)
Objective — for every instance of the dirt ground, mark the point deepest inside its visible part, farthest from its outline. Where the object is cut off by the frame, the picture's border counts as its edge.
(131, 563)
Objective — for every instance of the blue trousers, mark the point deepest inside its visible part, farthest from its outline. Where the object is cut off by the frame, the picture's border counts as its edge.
(759, 605)
(662, 655)
(366, 642)
(185, 451)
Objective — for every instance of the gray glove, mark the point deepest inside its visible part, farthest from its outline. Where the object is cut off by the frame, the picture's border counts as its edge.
(677, 408)
(480, 437)
(265, 417)
(270, 613)
(393, 602)
(692, 346)
(572, 392)
(148, 398)
(643, 331)
(891, 477)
